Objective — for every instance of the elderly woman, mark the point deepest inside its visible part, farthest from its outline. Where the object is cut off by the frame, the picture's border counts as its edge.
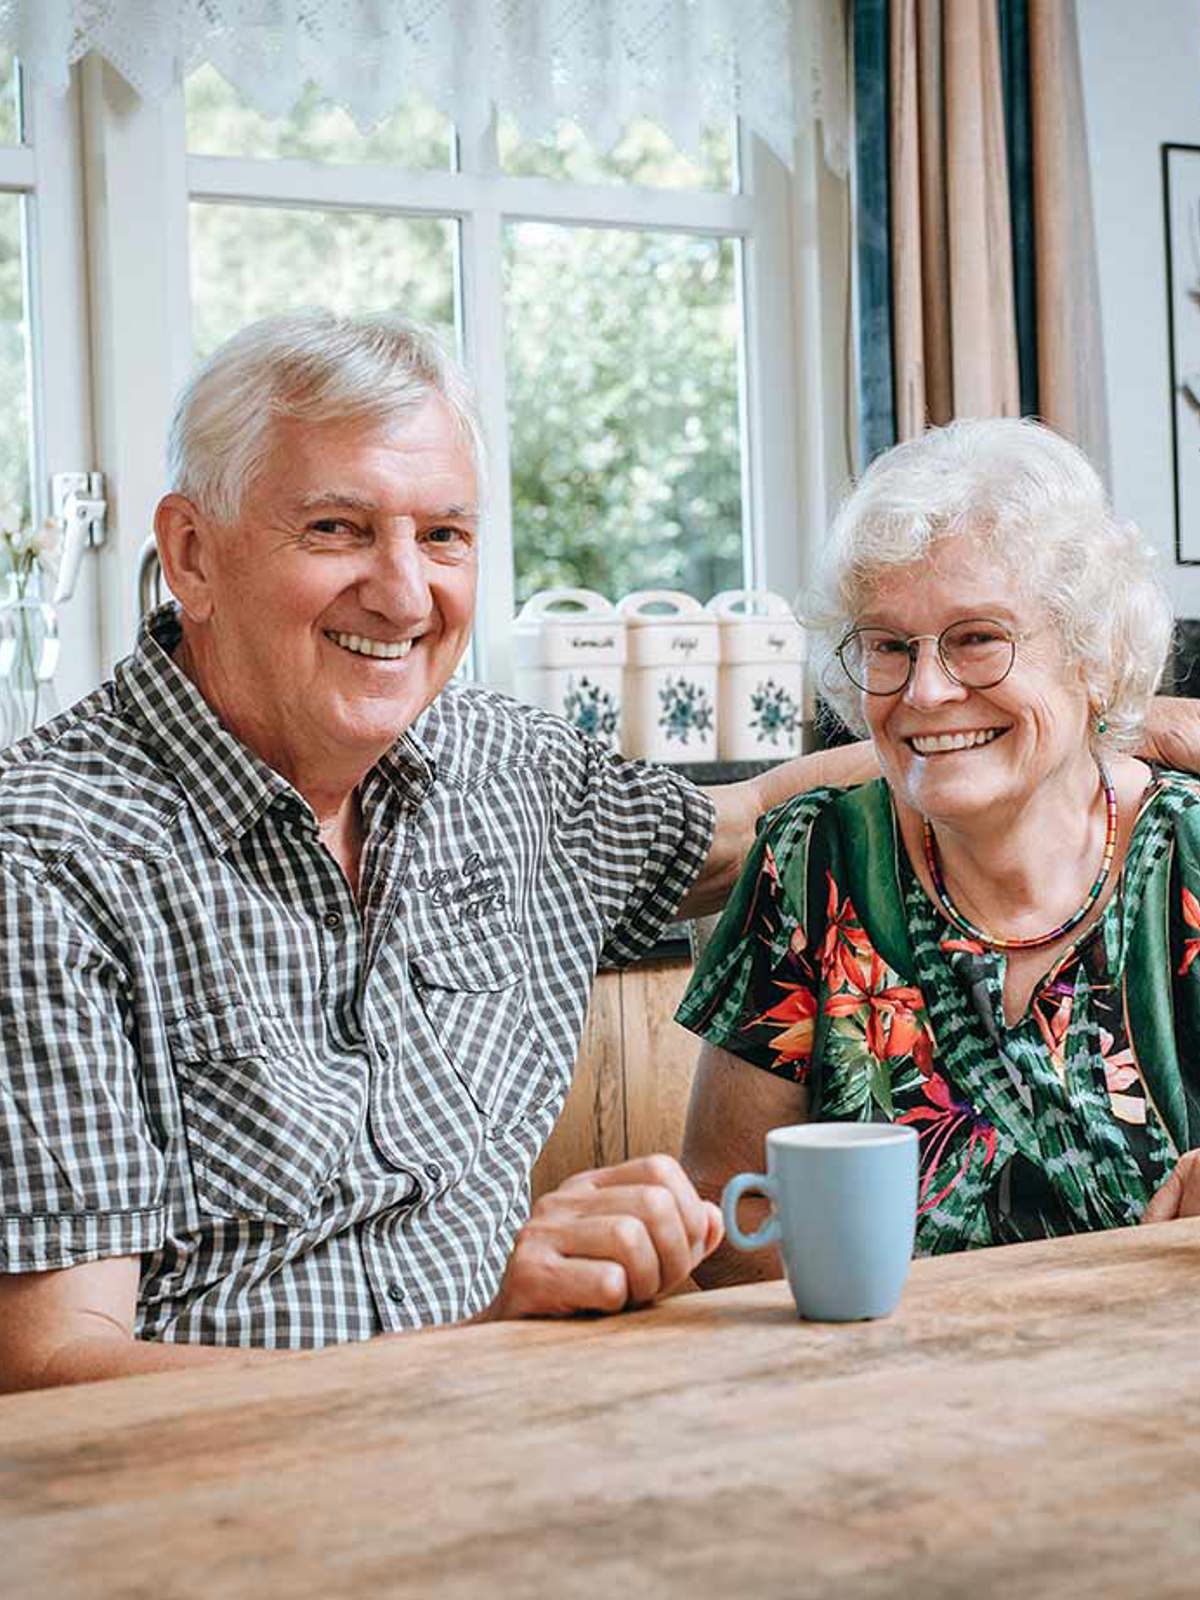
(997, 941)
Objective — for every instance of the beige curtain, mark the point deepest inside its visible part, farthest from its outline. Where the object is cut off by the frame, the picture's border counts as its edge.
(954, 324)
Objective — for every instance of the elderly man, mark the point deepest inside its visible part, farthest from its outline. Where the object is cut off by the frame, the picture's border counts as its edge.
(296, 936)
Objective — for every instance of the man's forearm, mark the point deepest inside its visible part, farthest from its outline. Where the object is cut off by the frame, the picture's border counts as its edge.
(92, 1358)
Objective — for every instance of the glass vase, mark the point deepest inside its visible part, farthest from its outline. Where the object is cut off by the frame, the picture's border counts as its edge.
(29, 646)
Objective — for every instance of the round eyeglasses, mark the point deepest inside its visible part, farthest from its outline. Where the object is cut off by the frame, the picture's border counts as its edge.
(976, 653)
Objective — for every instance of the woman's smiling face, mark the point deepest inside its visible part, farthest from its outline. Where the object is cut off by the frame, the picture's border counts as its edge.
(965, 756)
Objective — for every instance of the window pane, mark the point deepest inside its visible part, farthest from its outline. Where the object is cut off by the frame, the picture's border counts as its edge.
(249, 261)
(643, 155)
(10, 99)
(220, 123)
(623, 405)
(14, 359)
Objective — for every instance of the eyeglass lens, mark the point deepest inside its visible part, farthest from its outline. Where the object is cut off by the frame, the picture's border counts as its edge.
(975, 652)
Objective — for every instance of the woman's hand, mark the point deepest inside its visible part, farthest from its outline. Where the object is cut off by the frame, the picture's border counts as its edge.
(1171, 736)
(1179, 1196)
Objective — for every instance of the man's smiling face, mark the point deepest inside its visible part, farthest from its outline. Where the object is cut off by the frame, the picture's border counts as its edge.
(342, 599)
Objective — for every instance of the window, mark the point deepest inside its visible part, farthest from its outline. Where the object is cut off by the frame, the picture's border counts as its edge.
(615, 308)
(10, 100)
(220, 123)
(250, 260)
(44, 423)
(643, 155)
(16, 434)
(598, 298)
(624, 426)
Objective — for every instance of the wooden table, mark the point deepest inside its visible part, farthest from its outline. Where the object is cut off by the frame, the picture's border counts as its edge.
(1027, 1424)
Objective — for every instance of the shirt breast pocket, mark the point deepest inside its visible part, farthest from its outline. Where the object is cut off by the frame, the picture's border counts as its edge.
(269, 1126)
(474, 998)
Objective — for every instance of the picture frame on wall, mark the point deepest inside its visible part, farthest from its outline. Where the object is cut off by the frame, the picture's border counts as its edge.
(1181, 201)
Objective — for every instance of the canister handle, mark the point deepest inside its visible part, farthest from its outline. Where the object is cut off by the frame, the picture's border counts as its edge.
(637, 605)
(583, 602)
(749, 605)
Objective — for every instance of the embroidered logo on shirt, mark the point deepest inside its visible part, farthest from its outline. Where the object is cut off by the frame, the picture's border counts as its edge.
(470, 890)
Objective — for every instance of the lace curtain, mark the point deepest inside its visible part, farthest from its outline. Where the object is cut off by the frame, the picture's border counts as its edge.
(598, 62)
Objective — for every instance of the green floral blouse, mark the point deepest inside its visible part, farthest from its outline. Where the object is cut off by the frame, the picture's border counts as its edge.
(831, 966)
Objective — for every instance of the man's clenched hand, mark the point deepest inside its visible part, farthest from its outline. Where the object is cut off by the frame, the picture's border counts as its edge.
(608, 1239)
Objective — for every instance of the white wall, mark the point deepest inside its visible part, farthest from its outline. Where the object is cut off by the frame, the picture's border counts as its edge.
(1141, 87)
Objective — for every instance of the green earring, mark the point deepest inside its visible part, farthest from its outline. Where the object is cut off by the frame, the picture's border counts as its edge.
(1101, 724)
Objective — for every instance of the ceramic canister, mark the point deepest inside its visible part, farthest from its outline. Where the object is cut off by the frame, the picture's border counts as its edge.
(570, 656)
(670, 677)
(761, 702)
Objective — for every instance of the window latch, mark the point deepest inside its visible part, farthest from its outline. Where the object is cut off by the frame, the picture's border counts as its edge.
(80, 509)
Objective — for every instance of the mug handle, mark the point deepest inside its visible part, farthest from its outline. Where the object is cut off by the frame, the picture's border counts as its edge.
(750, 1183)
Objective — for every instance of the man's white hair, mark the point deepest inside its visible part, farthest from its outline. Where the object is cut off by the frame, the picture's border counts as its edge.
(1031, 502)
(308, 366)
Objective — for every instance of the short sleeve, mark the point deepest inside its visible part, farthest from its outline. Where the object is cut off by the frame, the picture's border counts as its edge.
(80, 1174)
(637, 836)
(754, 991)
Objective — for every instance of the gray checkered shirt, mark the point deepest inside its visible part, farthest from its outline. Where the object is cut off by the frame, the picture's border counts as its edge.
(313, 1119)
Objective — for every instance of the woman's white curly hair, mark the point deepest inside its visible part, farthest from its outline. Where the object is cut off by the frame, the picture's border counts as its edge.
(1034, 504)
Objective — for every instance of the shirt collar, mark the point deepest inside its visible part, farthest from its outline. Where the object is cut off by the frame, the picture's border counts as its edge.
(226, 784)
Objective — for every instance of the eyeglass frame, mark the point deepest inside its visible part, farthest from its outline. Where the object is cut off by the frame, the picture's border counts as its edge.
(1014, 639)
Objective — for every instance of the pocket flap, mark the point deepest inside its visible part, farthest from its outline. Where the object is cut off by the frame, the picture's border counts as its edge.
(481, 965)
(269, 1123)
(219, 1035)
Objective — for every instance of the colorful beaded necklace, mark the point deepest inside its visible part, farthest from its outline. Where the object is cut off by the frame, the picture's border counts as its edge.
(995, 940)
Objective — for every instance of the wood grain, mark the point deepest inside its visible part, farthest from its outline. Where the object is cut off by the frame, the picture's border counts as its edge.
(632, 1079)
(591, 1129)
(660, 1057)
(1027, 1424)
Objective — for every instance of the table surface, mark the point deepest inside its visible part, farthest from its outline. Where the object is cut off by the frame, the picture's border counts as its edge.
(1026, 1424)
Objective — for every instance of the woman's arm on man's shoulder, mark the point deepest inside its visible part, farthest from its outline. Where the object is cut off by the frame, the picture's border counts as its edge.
(739, 806)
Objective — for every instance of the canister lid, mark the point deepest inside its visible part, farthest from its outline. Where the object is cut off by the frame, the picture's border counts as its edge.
(669, 628)
(658, 608)
(565, 626)
(757, 625)
(749, 605)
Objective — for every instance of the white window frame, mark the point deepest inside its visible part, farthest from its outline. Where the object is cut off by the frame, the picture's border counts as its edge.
(46, 171)
(144, 181)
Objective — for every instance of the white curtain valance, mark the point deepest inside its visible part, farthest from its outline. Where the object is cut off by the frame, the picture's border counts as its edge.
(598, 62)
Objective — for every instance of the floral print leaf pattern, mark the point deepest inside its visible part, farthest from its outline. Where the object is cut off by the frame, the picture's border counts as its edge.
(1027, 1129)
(1191, 916)
(884, 1018)
(793, 1023)
(938, 1124)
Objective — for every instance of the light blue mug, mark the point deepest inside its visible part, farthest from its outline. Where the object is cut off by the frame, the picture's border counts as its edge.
(843, 1213)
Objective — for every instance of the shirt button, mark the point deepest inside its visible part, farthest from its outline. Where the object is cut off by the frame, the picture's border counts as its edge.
(432, 1170)
(395, 1293)
(333, 920)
